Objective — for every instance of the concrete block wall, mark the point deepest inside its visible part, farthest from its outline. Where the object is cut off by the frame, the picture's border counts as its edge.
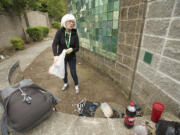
(147, 60)
(158, 79)
(36, 18)
(10, 27)
(13, 26)
(130, 32)
(130, 27)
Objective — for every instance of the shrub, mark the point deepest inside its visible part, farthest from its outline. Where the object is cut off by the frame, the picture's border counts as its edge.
(56, 25)
(44, 29)
(36, 33)
(17, 43)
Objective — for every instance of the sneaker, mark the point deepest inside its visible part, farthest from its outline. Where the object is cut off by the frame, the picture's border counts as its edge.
(64, 87)
(77, 89)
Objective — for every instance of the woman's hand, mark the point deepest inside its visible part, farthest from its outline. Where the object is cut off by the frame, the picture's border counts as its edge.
(55, 59)
(69, 51)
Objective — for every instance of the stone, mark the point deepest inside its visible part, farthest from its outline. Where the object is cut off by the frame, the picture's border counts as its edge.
(139, 81)
(142, 9)
(121, 38)
(172, 49)
(124, 14)
(122, 25)
(169, 117)
(126, 84)
(130, 26)
(133, 12)
(126, 50)
(128, 2)
(141, 54)
(115, 76)
(137, 40)
(168, 85)
(146, 70)
(177, 9)
(170, 68)
(155, 59)
(139, 26)
(139, 94)
(119, 58)
(109, 63)
(119, 49)
(156, 27)
(160, 9)
(130, 39)
(123, 70)
(150, 93)
(153, 44)
(134, 52)
(128, 61)
(145, 92)
(175, 29)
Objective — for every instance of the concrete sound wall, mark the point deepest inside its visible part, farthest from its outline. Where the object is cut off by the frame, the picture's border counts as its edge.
(13, 26)
(10, 27)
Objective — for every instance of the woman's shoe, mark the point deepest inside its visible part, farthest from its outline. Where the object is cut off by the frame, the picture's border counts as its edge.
(64, 87)
(77, 89)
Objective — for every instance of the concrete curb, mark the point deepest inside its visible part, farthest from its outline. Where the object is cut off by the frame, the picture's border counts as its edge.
(66, 124)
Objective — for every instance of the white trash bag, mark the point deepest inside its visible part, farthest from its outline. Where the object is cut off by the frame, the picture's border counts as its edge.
(107, 110)
(58, 68)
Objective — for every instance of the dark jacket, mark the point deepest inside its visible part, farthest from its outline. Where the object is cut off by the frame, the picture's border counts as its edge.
(59, 43)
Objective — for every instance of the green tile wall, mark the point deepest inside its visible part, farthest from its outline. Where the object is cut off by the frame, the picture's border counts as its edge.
(97, 24)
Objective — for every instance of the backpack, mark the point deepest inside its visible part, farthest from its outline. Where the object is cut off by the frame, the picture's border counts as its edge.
(25, 106)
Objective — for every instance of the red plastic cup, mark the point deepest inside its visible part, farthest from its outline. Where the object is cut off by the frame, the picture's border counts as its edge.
(157, 110)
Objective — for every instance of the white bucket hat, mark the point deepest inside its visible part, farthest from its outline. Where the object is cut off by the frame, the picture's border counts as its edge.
(66, 18)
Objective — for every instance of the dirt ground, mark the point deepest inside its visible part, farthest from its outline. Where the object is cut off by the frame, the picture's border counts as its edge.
(93, 86)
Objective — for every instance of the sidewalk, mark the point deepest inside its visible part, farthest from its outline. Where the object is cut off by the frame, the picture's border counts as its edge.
(65, 124)
(25, 58)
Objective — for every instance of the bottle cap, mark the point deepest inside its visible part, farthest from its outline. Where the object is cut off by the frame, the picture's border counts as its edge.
(131, 104)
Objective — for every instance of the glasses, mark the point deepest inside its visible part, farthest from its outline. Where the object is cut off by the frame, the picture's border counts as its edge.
(71, 22)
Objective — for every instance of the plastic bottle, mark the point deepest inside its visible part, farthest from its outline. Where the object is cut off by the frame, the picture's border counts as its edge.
(130, 116)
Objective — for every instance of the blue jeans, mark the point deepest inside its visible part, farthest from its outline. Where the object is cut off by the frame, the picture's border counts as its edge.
(72, 65)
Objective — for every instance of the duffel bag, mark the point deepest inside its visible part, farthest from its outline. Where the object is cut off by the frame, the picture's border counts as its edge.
(25, 106)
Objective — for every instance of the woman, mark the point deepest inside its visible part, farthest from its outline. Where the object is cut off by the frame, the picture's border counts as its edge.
(67, 38)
